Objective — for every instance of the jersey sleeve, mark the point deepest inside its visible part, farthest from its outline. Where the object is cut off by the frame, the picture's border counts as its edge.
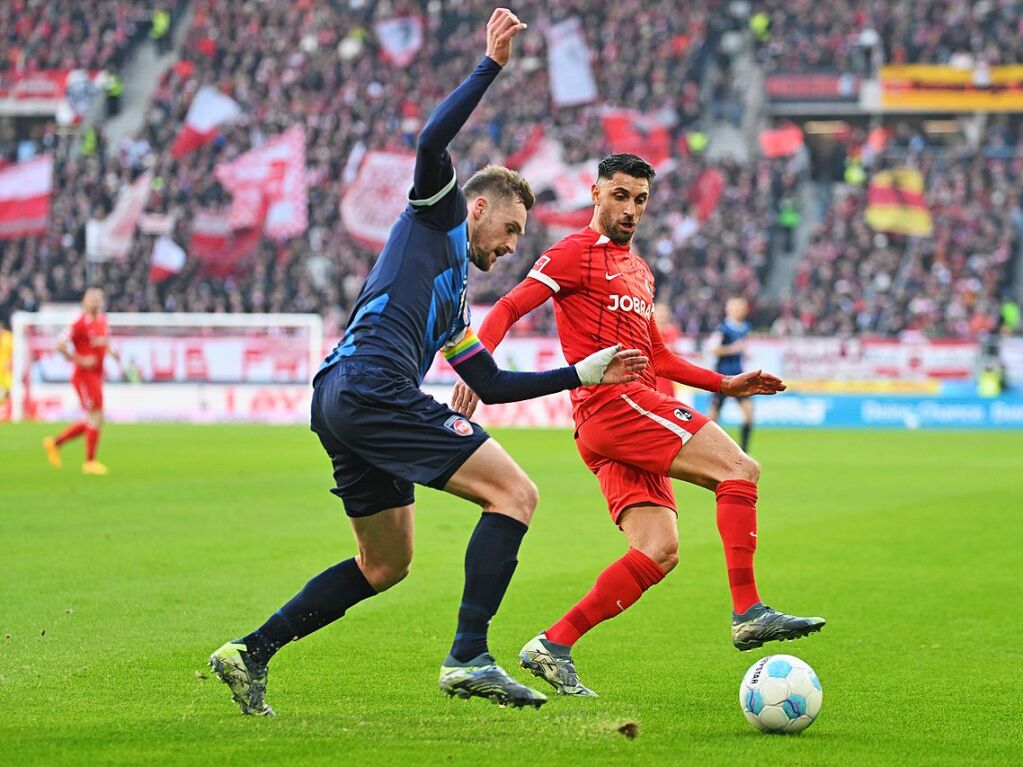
(558, 268)
(462, 346)
(435, 197)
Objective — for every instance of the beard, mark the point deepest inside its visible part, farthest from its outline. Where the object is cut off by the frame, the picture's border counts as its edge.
(616, 234)
(479, 257)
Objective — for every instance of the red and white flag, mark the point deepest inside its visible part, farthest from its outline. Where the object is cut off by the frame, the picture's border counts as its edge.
(210, 233)
(543, 165)
(220, 249)
(400, 39)
(25, 191)
(168, 259)
(209, 110)
(571, 76)
(373, 202)
(111, 238)
(645, 135)
(269, 186)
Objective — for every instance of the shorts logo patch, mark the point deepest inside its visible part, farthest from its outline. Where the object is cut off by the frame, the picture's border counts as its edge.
(459, 426)
(682, 414)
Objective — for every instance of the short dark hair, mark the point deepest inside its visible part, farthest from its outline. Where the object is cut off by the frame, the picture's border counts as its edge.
(499, 181)
(629, 164)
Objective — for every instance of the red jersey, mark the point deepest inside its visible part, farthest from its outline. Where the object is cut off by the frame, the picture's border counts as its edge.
(86, 334)
(603, 295)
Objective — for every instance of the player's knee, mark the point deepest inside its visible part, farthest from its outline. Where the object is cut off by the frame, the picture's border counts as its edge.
(386, 574)
(749, 469)
(664, 554)
(524, 498)
(517, 499)
(382, 573)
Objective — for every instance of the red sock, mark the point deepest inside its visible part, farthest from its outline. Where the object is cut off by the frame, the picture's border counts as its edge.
(737, 524)
(617, 588)
(70, 432)
(91, 439)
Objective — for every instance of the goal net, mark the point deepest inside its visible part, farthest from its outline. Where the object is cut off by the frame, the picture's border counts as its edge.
(174, 367)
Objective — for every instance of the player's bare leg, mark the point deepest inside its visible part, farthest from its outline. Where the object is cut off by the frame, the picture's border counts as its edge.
(746, 403)
(711, 459)
(385, 543)
(508, 498)
(715, 408)
(93, 424)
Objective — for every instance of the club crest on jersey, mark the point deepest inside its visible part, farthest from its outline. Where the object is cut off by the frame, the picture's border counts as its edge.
(682, 414)
(458, 425)
(630, 304)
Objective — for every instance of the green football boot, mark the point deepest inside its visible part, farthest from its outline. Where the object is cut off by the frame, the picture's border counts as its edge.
(552, 662)
(244, 676)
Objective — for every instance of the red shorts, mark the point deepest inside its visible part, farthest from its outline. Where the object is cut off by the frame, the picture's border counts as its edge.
(89, 387)
(631, 442)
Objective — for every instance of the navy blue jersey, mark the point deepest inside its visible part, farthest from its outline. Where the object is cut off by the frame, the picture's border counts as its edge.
(731, 364)
(414, 299)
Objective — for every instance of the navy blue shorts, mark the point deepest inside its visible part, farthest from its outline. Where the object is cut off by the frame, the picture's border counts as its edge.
(384, 435)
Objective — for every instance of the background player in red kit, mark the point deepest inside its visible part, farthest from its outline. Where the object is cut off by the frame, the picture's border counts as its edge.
(633, 437)
(85, 344)
(669, 335)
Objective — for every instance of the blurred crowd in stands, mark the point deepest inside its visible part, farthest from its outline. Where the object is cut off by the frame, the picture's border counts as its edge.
(320, 63)
(855, 36)
(854, 280)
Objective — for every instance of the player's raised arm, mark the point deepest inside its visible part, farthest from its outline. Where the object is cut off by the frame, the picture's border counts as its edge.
(477, 368)
(434, 174)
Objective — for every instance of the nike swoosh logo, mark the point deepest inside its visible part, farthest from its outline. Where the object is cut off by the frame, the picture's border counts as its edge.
(611, 276)
(619, 603)
(753, 534)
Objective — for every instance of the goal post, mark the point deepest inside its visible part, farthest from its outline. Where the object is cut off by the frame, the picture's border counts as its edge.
(174, 366)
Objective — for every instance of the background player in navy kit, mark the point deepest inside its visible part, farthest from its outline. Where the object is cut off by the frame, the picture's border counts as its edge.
(729, 345)
(383, 434)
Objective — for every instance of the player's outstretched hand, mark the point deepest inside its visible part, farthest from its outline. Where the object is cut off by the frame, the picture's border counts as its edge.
(625, 366)
(750, 383)
(464, 400)
(501, 28)
(612, 365)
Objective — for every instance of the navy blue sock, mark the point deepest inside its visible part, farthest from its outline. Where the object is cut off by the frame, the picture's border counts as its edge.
(490, 560)
(321, 601)
(744, 441)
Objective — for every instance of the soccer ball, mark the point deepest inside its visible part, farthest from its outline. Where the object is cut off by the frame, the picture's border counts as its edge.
(780, 694)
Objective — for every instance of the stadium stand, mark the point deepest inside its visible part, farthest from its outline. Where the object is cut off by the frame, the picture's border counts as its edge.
(855, 280)
(812, 35)
(321, 64)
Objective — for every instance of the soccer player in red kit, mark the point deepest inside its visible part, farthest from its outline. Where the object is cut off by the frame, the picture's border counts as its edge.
(633, 437)
(85, 344)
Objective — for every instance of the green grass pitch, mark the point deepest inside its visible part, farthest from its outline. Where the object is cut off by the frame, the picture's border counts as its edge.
(114, 591)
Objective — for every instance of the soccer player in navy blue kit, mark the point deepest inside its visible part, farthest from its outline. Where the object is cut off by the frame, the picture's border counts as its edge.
(384, 435)
(729, 345)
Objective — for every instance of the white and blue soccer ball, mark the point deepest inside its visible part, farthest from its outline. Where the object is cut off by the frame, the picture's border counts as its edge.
(780, 694)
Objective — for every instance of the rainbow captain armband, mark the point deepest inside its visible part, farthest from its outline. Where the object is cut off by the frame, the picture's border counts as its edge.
(467, 347)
